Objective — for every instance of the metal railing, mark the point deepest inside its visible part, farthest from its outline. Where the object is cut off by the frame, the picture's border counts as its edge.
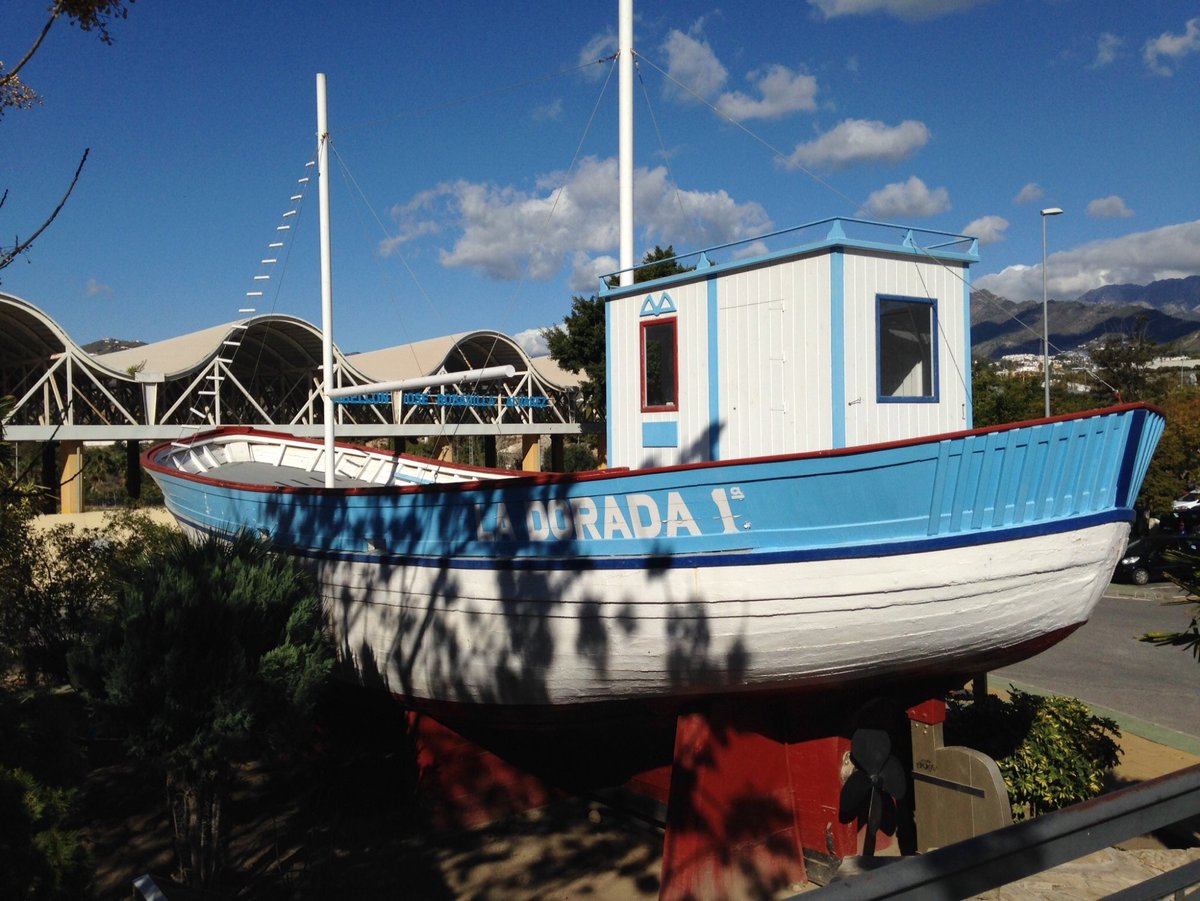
(1033, 846)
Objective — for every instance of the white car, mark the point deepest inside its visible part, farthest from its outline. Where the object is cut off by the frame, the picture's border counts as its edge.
(1187, 502)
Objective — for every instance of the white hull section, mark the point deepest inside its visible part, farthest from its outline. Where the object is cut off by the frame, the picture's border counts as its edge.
(466, 635)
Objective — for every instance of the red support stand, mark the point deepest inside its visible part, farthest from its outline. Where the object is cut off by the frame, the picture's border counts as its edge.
(754, 795)
(465, 785)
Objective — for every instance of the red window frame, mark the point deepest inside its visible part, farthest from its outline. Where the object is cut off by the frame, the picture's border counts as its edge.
(673, 403)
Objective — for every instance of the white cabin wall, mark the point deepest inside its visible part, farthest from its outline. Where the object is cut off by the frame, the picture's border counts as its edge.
(868, 420)
(774, 373)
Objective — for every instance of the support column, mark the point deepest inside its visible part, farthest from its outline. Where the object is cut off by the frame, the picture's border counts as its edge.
(49, 479)
(70, 476)
(489, 451)
(558, 455)
(133, 470)
(531, 454)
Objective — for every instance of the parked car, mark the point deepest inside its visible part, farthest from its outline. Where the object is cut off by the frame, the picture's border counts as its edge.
(1187, 502)
(1153, 558)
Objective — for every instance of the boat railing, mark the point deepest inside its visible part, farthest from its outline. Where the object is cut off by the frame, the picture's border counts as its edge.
(356, 464)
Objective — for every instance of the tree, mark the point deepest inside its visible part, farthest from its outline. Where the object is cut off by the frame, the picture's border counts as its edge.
(216, 655)
(1123, 365)
(1176, 463)
(578, 344)
(998, 397)
(15, 93)
(57, 586)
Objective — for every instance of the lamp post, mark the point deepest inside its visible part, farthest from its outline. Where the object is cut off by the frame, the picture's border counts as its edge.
(1051, 211)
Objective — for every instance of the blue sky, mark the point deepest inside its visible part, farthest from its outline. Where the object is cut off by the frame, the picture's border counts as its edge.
(470, 190)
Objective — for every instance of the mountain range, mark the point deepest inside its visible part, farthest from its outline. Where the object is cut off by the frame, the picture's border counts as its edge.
(1168, 310)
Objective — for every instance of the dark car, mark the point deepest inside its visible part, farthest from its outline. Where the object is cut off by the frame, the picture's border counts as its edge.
(1155, 558)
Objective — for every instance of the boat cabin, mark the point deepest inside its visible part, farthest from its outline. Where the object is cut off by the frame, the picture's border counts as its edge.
(856, 335)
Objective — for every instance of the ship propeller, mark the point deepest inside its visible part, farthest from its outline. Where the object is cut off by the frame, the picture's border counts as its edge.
(875, 786)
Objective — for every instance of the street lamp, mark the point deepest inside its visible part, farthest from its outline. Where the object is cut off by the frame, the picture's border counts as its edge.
(1051, 211)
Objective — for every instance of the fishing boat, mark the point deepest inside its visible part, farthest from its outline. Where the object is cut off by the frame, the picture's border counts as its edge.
(796, 501)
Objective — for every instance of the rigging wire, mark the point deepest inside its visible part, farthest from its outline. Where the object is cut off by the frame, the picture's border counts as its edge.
(472, 98)
(658, 134)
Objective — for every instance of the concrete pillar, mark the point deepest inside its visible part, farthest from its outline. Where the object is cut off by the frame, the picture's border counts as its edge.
(531, 454)
(70, 476)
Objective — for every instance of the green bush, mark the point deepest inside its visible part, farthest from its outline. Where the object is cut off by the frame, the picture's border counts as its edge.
(1052, 751)
(39, 857)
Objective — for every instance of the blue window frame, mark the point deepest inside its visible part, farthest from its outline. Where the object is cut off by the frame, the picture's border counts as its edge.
(907, 351)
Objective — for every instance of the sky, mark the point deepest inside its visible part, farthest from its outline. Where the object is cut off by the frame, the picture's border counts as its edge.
(473, 178)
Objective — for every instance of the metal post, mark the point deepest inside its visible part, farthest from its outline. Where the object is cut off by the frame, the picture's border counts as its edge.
(625, 136)
(1051, 211)
(326, 278)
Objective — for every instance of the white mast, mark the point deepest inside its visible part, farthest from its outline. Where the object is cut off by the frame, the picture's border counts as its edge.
(625, 135)
(326, 277)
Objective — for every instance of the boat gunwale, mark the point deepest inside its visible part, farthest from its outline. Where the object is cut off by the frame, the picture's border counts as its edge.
(741, 556)
(509, 481)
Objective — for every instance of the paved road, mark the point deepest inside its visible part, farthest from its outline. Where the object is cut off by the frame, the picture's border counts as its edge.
(1103, 664)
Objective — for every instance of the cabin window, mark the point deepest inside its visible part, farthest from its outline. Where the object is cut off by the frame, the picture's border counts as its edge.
(906, 349)
(660, 385)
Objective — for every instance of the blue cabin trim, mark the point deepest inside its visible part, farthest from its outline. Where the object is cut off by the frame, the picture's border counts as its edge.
(935, 393)
(714, 370)
(839, 233)
(608, 382)
(660, 434)
(837, 344)
(969, 375)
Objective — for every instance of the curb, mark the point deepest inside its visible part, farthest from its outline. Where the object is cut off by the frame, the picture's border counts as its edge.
(1160, 735)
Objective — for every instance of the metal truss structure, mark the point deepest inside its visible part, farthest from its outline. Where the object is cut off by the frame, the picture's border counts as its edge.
(263, 372)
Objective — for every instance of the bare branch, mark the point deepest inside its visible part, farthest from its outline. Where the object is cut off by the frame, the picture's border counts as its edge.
(6, 77)
(22, 246)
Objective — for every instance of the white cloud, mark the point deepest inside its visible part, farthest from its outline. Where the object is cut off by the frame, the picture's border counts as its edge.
(988, 229)
(1031, 193)
(1111, 207)
(507, 233)
(692, 63)
(861, 141)
(911, 10)
(1173, 47)
(586, 271)
(782, 91)
(1106, 50)
(95, 288)
(551, 111)
(907, 198)
(413, 220)
(1172, 251)
(532, 342)
(600, 47)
